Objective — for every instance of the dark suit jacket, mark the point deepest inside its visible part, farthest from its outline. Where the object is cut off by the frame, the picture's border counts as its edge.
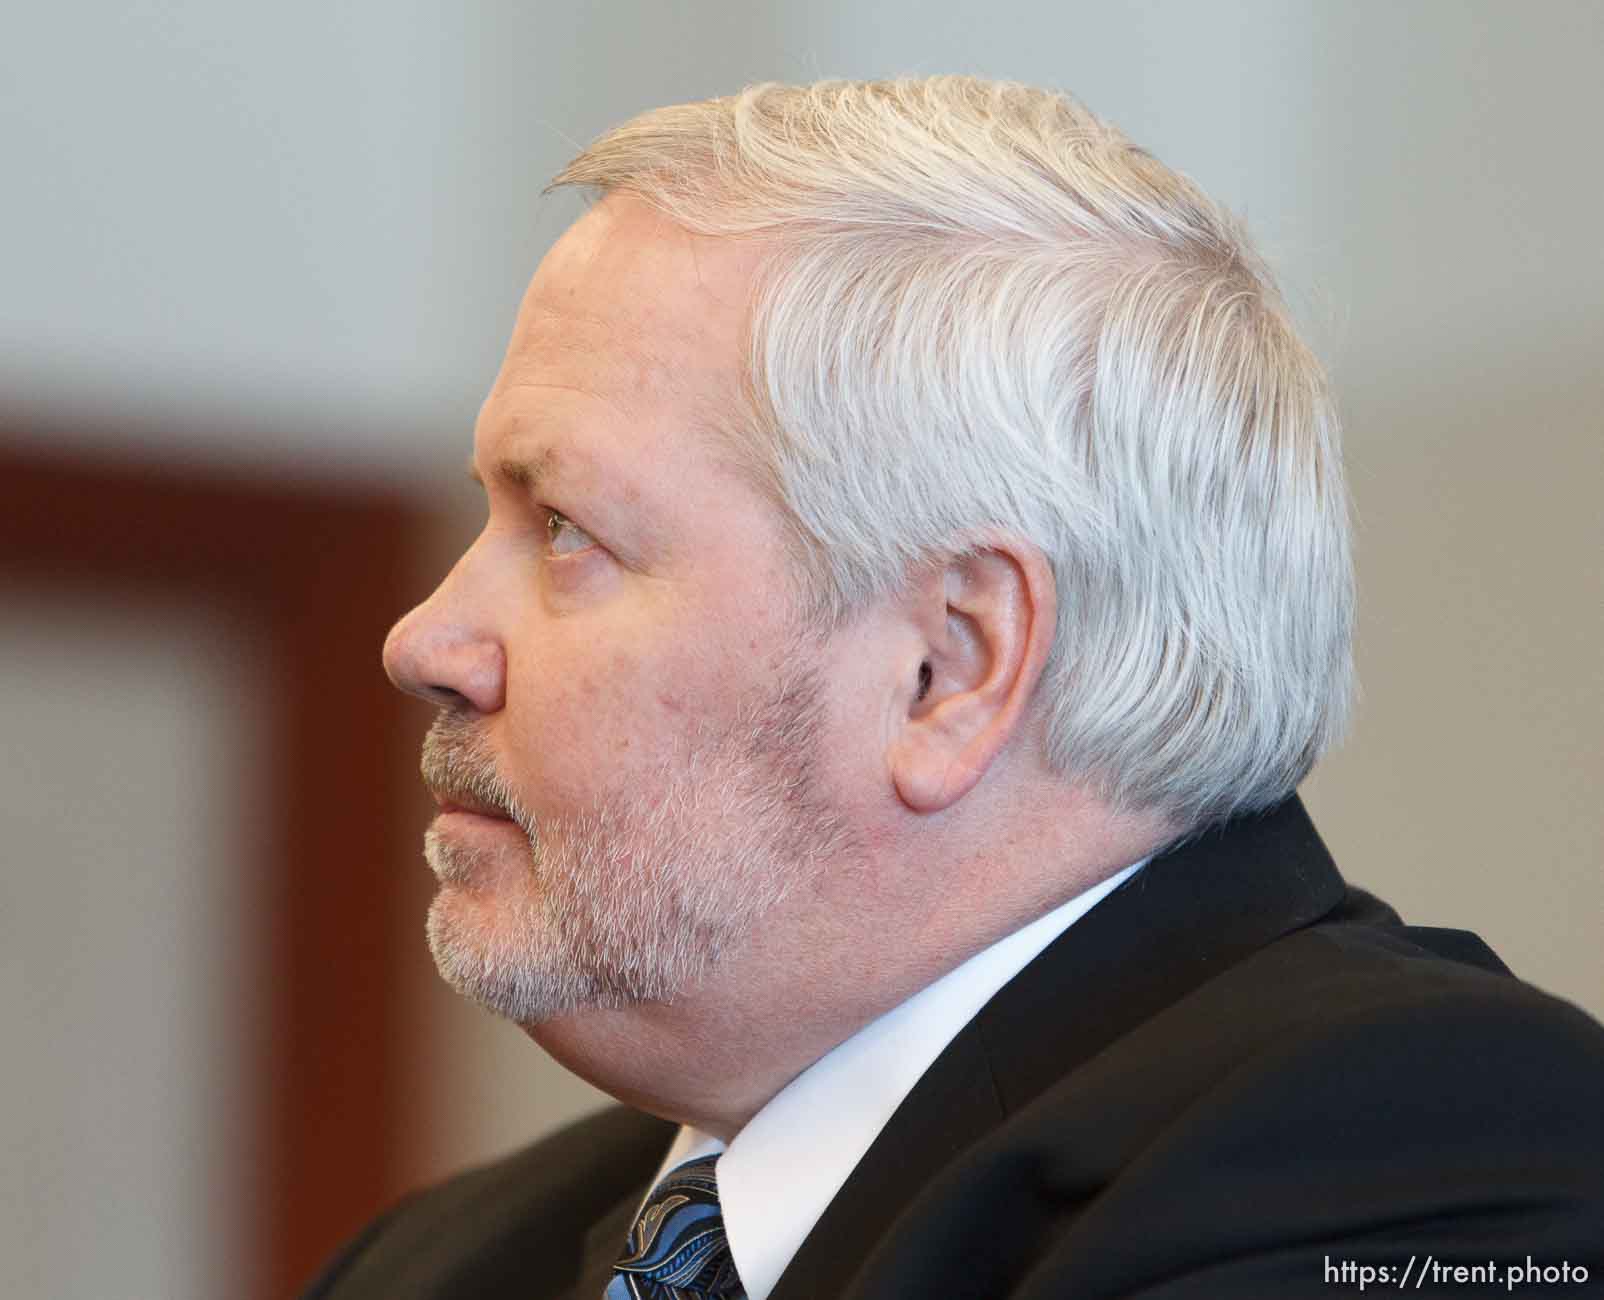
(1232, 1076)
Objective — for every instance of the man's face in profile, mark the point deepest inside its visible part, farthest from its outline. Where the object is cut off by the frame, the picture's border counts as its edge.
(629, 744)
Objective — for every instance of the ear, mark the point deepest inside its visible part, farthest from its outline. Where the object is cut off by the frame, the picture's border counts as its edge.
(985, 623)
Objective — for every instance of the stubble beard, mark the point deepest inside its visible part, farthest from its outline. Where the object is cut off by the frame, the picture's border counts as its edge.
(637, 897)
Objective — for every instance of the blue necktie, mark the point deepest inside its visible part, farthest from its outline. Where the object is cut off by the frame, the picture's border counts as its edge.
(677, 1249)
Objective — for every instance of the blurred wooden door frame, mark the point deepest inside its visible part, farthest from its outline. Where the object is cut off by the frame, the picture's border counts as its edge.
(315, 574)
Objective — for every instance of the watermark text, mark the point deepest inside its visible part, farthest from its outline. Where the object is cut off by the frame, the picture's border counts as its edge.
(1428, 1270)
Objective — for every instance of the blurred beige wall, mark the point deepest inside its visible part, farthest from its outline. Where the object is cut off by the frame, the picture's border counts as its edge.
(293, 237)
(128, 957)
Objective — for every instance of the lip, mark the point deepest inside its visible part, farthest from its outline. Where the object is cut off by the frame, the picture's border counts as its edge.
(465, 823)
(456, 804)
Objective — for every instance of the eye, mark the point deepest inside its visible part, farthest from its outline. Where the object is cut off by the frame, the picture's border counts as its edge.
(558, 525)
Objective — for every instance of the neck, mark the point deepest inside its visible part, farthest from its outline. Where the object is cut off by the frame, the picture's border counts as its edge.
(819, 970)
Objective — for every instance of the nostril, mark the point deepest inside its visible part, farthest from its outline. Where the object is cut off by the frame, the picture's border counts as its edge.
(445, 696)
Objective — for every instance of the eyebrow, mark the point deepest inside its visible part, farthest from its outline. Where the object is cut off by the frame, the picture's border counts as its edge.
(525, 474)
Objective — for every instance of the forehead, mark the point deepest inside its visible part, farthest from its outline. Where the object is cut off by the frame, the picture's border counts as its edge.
(630, 338)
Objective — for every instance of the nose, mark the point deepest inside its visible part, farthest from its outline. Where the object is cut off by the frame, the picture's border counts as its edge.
(442, 652)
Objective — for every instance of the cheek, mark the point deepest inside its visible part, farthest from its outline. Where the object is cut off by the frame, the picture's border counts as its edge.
(607, 723)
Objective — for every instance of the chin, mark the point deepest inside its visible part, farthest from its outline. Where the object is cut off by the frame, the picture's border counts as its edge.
(501, 967)
(534, 962)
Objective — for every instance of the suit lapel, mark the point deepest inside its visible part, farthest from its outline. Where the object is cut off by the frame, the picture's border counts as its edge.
(1179, 921)
(603, 1244)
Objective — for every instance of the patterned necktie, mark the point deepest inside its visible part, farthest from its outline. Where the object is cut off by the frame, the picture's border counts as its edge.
(677, 1249)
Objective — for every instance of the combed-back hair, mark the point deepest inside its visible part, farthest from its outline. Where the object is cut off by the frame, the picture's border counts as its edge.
(982, 310)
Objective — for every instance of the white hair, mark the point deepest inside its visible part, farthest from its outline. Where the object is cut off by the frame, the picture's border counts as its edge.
(985, 311)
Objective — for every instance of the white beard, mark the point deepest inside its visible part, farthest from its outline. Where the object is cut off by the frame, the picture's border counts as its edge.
(636, 898)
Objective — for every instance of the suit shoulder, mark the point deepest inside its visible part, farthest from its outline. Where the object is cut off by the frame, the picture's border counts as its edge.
(1392, 1023)
(1331, 1096)
(1410, 1090)
(476, 1232)
(1399, 1011)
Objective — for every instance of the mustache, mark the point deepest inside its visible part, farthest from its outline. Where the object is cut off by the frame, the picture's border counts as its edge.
(459, 766)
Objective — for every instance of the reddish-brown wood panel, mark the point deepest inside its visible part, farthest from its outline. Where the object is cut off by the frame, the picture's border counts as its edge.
(315, 574)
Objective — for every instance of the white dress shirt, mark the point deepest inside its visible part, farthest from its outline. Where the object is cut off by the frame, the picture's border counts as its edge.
(781, 1171)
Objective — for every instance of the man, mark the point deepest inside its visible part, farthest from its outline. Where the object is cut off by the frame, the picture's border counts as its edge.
(916, 581)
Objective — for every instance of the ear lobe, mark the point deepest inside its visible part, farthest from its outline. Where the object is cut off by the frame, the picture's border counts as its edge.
(927, 776)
